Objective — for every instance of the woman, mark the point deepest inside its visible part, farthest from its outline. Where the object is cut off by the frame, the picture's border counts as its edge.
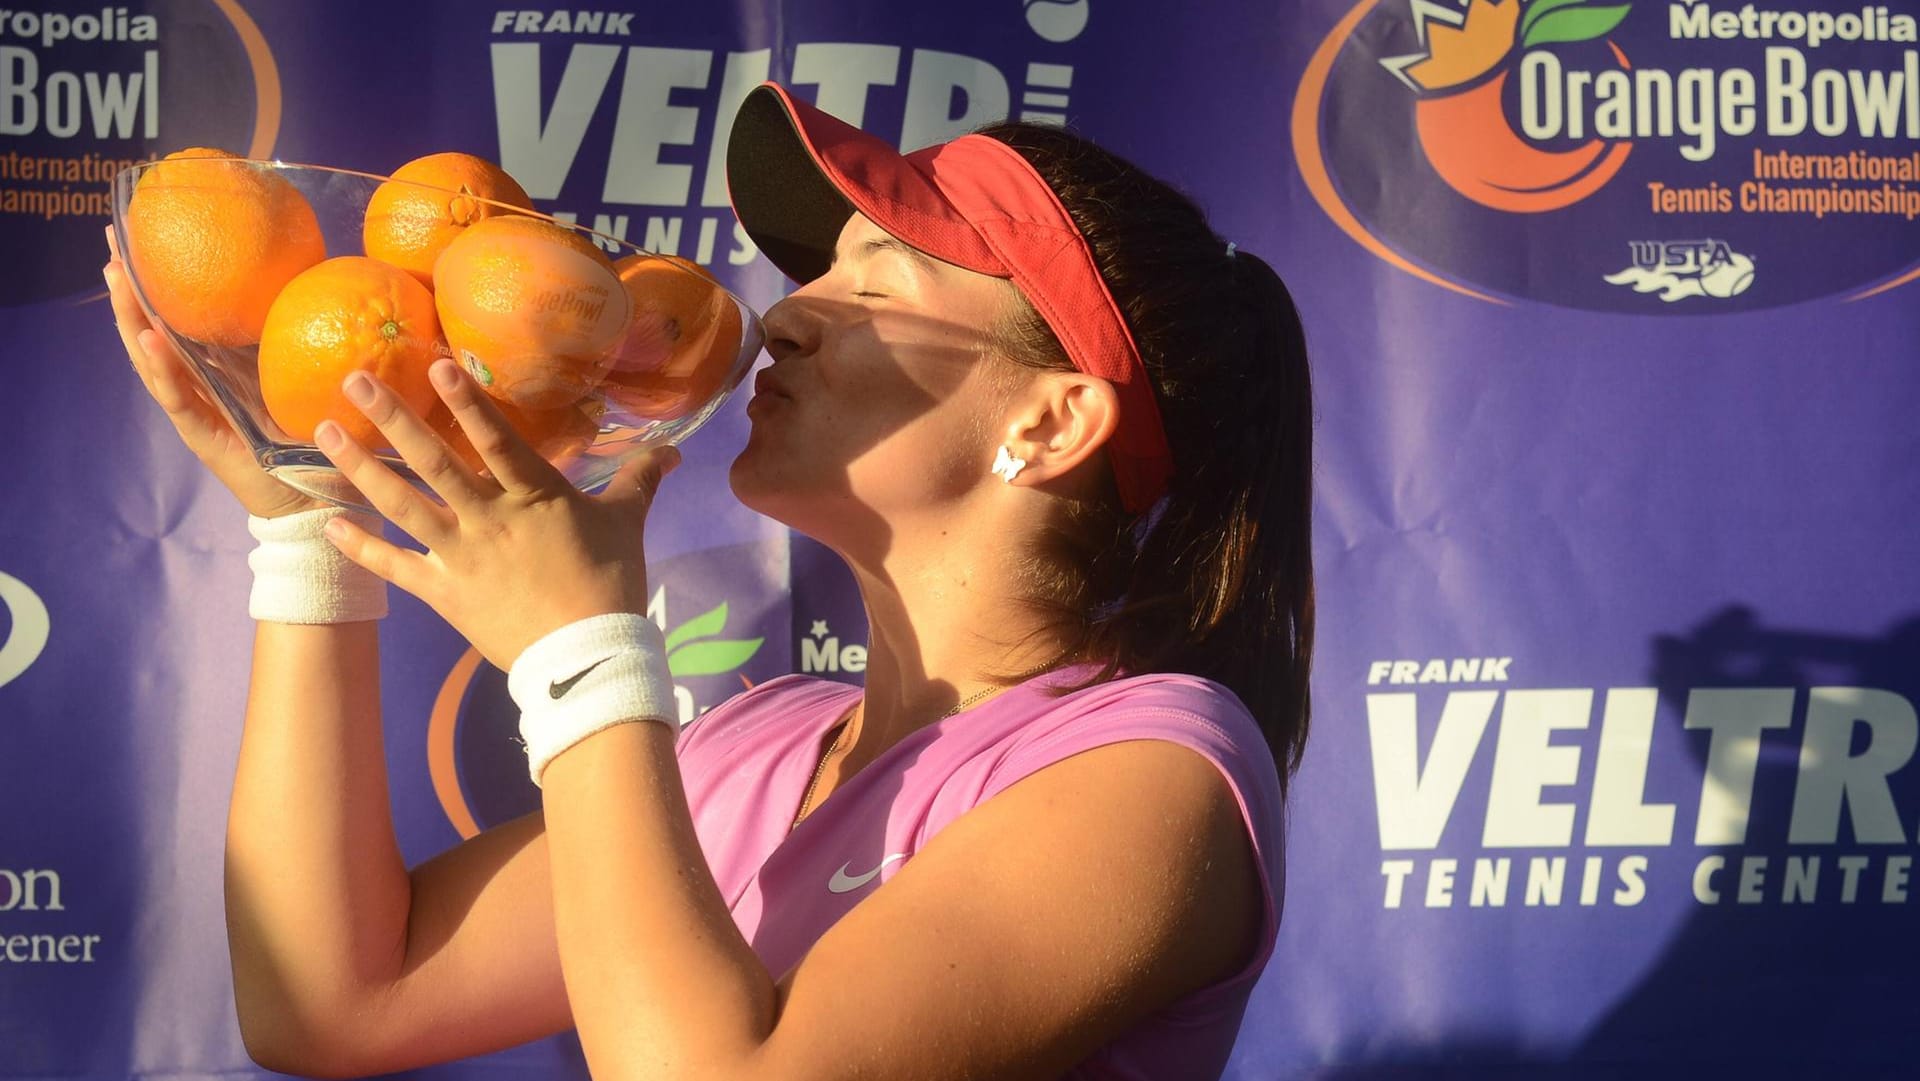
(1061, 434)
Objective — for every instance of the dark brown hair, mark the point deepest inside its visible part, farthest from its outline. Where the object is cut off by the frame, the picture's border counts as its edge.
(1217, 580)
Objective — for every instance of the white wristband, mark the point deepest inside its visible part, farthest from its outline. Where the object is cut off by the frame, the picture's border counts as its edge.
(299, 577)
(588, 676)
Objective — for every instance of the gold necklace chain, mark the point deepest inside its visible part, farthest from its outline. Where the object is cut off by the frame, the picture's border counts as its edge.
(821, 769)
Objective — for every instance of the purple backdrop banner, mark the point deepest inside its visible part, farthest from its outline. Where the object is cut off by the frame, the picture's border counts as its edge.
(1614, 316)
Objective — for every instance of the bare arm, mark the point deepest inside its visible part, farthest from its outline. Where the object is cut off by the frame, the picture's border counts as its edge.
(343, 961)
(317, 895)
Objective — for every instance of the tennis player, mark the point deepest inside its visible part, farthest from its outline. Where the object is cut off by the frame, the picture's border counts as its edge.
(1060, 431)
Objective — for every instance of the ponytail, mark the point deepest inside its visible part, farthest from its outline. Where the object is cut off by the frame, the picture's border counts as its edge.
(1216, 580)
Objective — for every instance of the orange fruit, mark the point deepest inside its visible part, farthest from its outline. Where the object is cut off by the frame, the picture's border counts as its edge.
(684, 339)
(211, 239)
(554, 434)
(531, 308)
(428, 201)
(348, 313)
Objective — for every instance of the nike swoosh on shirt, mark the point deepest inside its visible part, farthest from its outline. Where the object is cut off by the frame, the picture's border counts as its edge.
(559, 688)
(841, 882)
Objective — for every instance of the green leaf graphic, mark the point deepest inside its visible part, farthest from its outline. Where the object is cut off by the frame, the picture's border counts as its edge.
(712, 658)
(700, 626)
(1575, 24)
(1539, 8)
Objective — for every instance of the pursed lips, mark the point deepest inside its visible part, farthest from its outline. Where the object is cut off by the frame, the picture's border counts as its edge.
(765, 385)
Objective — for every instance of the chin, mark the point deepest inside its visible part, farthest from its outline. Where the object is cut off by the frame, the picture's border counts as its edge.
(743, 479)
(779, 486)
(763, 482)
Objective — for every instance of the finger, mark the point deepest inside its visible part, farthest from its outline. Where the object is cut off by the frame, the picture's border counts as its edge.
(514, 464)
(637, 482)
(133, 325)
(410, 570)
(166, 378)
(147, 349)
(426, 453)
(160, 369)
(128, 319)
(403, 504)
(202, 426)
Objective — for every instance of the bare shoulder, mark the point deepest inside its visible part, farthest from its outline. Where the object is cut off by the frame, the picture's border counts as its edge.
(1158, 820)
(1037, 926)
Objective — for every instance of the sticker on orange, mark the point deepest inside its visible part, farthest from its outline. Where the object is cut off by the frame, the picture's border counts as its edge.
(1678, 157)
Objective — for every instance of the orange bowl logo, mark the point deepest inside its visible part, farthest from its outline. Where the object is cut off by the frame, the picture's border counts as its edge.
(1690, 157)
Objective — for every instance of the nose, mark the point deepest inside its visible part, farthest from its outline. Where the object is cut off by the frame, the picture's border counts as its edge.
(791, 327)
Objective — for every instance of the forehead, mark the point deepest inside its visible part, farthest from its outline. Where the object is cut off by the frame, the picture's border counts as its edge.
(859, 227)
(861, 239)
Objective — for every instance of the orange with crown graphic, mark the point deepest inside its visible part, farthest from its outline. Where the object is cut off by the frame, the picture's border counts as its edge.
(1483, 146)
(1463, 126)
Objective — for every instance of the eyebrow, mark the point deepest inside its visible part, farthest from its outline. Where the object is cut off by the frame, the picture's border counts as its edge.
(886, 243)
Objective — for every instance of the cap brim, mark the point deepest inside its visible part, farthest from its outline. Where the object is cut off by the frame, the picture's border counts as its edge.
(779, 191)
(796, 174)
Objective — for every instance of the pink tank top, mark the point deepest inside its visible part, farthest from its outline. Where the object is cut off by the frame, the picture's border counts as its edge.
(747, 762)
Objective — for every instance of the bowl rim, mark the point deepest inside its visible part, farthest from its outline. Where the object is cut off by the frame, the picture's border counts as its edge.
(130, 174)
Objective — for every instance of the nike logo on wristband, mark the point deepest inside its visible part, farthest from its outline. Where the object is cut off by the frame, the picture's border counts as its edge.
(841, 882)
(559, 688)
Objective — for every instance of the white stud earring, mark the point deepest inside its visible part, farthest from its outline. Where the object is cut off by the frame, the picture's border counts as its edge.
(1006, 466)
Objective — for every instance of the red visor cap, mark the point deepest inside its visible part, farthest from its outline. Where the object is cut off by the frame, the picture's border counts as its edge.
(796, 174)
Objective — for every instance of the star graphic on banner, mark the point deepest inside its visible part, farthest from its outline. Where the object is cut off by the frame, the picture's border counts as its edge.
(819, 628)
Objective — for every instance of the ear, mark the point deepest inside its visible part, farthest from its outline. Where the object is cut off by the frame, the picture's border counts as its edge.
(1060, 421)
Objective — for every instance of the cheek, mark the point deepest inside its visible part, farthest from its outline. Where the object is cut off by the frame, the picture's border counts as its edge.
(931, 457)
(886, 435)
